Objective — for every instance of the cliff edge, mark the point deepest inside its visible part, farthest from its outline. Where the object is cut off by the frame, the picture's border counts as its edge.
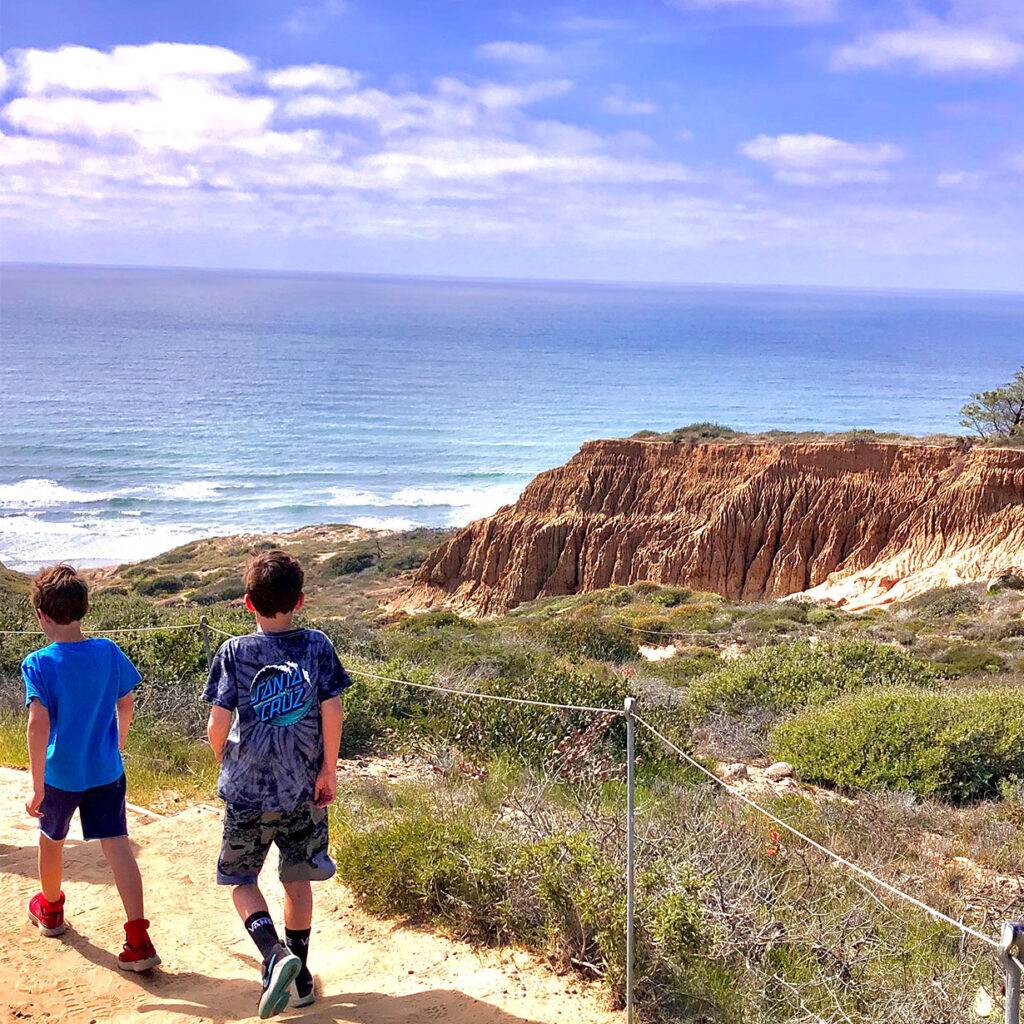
(859, 524)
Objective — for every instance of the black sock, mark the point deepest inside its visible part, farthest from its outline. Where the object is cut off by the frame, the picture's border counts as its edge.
(260, 927)
(297, 940)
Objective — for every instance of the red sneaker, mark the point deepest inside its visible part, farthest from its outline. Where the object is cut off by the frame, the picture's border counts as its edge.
(138, 953)
(46, 916)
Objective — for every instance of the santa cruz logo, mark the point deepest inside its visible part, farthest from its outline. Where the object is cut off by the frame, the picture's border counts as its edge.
(280, 694)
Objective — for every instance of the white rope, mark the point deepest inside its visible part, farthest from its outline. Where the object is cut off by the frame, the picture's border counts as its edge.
(824, 849)
(466, 693)
(95, 632)
(487, 696)
(215, 629)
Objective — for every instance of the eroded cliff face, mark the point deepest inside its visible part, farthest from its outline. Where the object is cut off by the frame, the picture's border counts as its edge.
(858, 524)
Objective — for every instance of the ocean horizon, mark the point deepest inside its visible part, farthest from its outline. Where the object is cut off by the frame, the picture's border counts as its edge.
(145, 407)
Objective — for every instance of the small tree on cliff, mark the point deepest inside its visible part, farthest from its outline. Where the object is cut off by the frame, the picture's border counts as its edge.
(998, 414)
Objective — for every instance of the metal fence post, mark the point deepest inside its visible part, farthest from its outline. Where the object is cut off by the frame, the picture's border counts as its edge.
(203, 625)
(630, 705)
(1011, 947)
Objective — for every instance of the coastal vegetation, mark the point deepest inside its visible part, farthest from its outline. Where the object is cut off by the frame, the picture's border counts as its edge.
(997, 416)
(902, 726)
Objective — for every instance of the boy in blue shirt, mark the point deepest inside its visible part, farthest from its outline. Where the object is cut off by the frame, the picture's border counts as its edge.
(79, 696)
(275, 727)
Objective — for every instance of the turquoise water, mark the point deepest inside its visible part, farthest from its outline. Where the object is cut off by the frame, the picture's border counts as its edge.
(145, 407)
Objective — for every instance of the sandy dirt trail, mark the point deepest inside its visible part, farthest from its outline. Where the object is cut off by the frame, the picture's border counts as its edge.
(369, 971)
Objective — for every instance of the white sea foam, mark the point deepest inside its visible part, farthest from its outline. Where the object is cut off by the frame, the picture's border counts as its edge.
(38, 493)
(352, 497)
(384, 523)
(190, 490)
(463, 504)
(48, 494)
(27, 542)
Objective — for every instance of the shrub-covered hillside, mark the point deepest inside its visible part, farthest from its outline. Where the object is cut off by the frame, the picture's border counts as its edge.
(906, 721)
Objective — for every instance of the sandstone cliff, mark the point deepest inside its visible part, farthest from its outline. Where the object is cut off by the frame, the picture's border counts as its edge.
(859, 524)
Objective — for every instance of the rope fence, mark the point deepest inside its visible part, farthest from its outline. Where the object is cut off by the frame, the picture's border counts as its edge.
(1009, 947)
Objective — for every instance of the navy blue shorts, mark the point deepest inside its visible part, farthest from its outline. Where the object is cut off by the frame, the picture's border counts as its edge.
(101, 808)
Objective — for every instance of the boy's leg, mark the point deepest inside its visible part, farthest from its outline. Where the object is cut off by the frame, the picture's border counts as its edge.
(105, 817)
(247, 837)
(127, 878)
(303, 842)
(298, 919)
(46, 910)
(298, 906)
(51, 866)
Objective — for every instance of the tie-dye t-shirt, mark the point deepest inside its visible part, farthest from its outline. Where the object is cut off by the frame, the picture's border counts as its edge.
(276, 683)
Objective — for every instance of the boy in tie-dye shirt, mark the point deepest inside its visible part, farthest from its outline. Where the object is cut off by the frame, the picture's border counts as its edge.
(275, 726)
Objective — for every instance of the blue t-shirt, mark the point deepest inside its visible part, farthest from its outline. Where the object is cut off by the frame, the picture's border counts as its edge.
(276, 682)
(80, 684)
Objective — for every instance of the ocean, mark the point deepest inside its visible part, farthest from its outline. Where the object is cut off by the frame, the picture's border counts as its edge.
(143, 408)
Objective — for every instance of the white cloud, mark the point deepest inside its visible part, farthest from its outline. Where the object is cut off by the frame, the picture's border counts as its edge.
(311, 17)
(813, 159)
(186, 119)
(308, 159)
(513, 53)
(309, 77)
(802, 10)
(960, 179)
(932, 47)
(623, 107)
(454, 106)
(811, 151)
(128, 69)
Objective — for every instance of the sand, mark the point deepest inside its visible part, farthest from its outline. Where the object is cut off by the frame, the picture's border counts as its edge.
(369, 971)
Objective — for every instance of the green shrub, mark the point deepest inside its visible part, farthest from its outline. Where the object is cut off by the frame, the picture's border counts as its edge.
(563, 893)
(348, 565)
(430, 622)
(948, 602)
(822, 616)
(429, 869)
(404, 561)
(647, 628)
(1009, 580)
(964, 660)
(785, 677)
(959, 746)
(588, 638)
(669, 597)
(229, 588)
(779, 618)
(705, 430)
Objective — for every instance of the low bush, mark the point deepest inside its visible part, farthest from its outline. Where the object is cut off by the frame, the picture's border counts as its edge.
(349, 564)
(562, 893)
(964, 660)
(669, 597)
(589, 638)
(958, 746)
(785, 677)
(228, 588)
(821, 616)
(948, 602)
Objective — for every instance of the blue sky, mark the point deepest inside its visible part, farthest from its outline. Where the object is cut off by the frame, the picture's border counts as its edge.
(842, 142)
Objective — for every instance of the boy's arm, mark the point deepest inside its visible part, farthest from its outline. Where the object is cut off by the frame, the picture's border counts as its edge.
(125, 713)
(38, 741)
(332, 717)
(217, 729)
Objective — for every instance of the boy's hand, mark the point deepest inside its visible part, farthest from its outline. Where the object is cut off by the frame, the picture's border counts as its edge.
(33, 802)
(326, 788)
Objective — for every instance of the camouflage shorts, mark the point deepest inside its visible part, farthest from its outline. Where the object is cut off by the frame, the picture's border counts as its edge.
(300, 836)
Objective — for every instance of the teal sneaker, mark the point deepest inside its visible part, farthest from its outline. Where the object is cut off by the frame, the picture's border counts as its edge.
(279, 971)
